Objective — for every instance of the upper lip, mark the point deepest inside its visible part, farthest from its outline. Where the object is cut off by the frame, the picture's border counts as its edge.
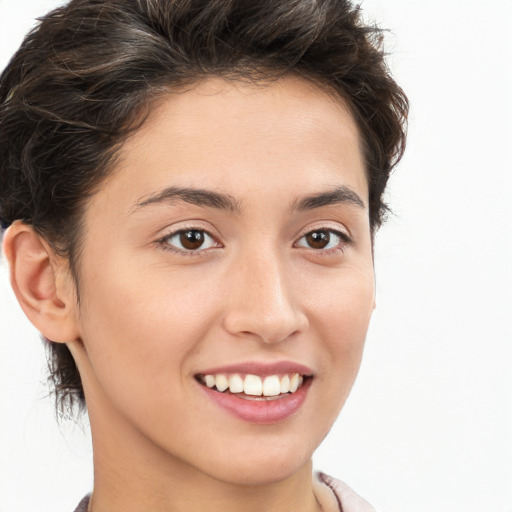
(261, 369)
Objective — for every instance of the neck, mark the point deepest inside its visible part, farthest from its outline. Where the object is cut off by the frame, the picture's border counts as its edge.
(132, 474)
(185, 489)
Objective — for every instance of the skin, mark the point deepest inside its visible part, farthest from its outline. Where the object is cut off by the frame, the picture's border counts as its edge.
(150, 318)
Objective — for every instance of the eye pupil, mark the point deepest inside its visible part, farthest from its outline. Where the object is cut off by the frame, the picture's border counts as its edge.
(192, 239)
(318, 239)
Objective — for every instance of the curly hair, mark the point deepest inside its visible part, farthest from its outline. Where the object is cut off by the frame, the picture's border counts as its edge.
(87, 75)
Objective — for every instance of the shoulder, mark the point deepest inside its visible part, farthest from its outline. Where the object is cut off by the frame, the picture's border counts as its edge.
(348, 500)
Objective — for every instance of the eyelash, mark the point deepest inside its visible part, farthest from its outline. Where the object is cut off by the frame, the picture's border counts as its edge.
(164, 242)
(345, 240)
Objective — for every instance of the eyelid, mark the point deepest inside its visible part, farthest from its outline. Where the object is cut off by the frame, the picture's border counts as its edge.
(346, 238)
(188, 225)
(163, 241)
(327, 225)
(341, 232)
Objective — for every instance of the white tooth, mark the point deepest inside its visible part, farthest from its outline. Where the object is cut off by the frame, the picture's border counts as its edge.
(209, 380)
(236, 384)
(253, 385)
(294, 382)
(271, 386)
(221, 382)
(301, 380)
(285, 384)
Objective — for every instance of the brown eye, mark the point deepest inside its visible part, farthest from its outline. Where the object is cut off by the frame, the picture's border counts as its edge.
(318, 239)
(192, 239)
(323, 239)
(189, 240)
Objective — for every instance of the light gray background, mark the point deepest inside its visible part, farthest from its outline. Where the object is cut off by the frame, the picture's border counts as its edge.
(428, 427)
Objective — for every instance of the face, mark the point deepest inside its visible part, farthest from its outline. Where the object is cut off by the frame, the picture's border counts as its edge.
(230, 247)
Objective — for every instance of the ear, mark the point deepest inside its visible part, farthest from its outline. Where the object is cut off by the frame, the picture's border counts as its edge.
(42, 283)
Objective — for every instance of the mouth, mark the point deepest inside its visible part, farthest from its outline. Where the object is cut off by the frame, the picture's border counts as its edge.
(255, 387)
(260, 393)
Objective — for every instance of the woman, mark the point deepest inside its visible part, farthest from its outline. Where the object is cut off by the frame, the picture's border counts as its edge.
(191, 191)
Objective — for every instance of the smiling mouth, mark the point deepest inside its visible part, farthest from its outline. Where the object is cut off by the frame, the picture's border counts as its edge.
(254, 387)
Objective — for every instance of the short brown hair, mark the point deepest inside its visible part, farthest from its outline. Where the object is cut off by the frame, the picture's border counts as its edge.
(87, 74)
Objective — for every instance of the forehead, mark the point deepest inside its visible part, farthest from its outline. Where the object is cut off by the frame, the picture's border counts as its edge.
(230, 136)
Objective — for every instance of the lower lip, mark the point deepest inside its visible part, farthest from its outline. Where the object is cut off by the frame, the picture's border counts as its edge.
(262, 412)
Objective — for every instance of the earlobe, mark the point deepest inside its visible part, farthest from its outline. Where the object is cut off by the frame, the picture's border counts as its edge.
(41, 282)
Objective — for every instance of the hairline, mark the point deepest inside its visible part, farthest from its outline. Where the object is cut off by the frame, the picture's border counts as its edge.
(155, 95)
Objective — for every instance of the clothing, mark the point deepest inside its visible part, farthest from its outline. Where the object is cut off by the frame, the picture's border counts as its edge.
(348, 500)
(82, 506)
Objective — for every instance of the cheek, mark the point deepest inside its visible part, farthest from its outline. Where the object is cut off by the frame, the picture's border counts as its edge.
(344, 307)
(341, 318)
(139, 330)
(339, 323)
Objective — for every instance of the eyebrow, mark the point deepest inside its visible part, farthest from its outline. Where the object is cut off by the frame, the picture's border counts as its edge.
(195, 196)
(339, 195)
(210, 199)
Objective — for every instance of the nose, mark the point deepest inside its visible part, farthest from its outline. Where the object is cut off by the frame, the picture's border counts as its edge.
(262, 302)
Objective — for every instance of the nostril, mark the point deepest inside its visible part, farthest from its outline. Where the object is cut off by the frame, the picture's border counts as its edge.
(277, 328)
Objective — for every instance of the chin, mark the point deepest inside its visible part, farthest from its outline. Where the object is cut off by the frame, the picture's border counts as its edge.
(269, 474)
(263, 467)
